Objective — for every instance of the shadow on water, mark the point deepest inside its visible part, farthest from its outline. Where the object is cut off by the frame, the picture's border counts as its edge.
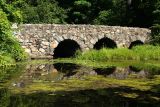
(149, 71)
(106, 97)
(68, 69)
(105, 71)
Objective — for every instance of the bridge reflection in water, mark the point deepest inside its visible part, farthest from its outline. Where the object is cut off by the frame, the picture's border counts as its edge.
(62, 71)
(98, 95)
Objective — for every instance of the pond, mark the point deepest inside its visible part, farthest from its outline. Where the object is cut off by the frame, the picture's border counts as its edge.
(67, 84)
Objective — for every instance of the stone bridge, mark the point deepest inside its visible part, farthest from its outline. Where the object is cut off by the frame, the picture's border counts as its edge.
(41, 40)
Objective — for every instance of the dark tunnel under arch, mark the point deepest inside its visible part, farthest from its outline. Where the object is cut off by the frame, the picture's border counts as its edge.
(105, 43)
(66, 48)
(135, 43)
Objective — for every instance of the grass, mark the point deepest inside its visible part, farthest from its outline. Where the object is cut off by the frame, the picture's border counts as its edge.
(140, 53)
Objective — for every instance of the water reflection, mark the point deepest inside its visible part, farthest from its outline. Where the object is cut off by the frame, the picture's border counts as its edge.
(69, 69)
(144, 73)
(20, 77)
(6, 73)
(61, 71)
(105, 71)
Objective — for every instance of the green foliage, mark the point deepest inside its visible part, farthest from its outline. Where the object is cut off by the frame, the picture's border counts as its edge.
(103, 18)
(156, 12)
(117, 13)
(13, 14)
(78, 15)
(141, 13)
(30, 15)
(155, 34)
(108, 54)
(82, 3)
(8, 72)
(44, 12)
(8, 44)
(5, 59)
(146, 52)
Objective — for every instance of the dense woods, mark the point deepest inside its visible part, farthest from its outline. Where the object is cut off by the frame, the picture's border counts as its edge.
(134, 13)
(139, 13)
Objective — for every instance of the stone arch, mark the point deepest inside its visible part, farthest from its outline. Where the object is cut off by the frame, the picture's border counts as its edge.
(66, 48)
(106, 43)
(135, 43)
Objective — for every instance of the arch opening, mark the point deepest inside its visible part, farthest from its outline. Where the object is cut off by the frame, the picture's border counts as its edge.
(105, 43)
(66, 48)
(135, 43)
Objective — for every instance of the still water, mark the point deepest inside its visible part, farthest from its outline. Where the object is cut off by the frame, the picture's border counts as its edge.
(73, 85)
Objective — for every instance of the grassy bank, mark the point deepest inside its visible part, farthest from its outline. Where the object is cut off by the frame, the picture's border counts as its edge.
(145, 52)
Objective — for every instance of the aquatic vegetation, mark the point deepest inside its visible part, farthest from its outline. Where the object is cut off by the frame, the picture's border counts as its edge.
(91, 82)
(51, 83)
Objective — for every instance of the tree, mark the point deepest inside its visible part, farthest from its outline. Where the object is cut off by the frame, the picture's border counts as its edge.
(77, 13)
(155, 29)
(44, 12)
(13, 14)
(114, 16)
(9, 46)
(156, 12)
(104, 18)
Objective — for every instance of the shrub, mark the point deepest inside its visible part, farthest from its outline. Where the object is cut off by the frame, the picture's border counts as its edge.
(8, 44)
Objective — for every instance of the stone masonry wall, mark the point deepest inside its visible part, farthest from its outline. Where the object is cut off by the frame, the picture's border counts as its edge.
(42, 39)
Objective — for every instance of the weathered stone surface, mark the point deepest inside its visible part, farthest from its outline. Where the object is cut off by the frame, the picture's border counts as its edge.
(45, 43)
(42, 50)
(42, 39)
(54, 44)
(33, 49)
(28, 50)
